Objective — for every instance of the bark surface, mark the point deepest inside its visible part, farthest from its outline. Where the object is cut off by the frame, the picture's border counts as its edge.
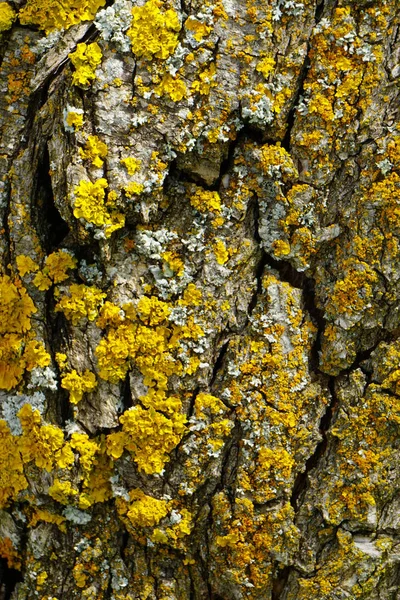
(199, 300)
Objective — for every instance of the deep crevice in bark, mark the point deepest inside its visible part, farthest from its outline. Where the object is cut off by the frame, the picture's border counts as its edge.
(51, 227)
(280, 582)
(8, 580)
(219, 362)
(302, 480)
(126, 393)
(57, 333)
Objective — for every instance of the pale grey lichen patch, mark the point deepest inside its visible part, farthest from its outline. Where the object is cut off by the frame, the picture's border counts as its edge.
(76, 516)
(113, 21)
(11, 405)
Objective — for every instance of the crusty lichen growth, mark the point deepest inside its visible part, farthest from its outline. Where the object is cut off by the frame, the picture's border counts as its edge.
(153, 31)
(50, 14)
(85, 60)
(7, 16)
(178, 418)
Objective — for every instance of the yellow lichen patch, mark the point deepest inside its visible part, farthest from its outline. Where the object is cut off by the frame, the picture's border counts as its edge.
(276, 161)
(274, 467)
(176, 535)
(351, 294)
(95, 150)
(143, 510)
(153, 32)
(152, 311)
(43, 444)
(205, 81)
(62, 491)
(208, 403)
(174, 87)
(206, 201)
(74, 120)
(55, 269)
(85, 59)
(16, 307)
(48, 517)
(90, 202)
(25, 265)
(266, 66)
(220, 251)
(246, 540)
(88, 450)
(192, 296)
(149, 347)
(18, 351)
(174, 263)
(12, 478)
(149, 450)
(16, 355)
(77, 385)
(97, 470)
(11, 362)
(197, 28)
(7, 16)
(82, 302)
(110, 315)
(133, 189)
(281, 248)
(51, 14)
(131, 164)
(10, 553)
(90, 205)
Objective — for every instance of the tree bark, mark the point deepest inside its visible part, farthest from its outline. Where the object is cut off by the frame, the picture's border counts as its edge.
(199, 314)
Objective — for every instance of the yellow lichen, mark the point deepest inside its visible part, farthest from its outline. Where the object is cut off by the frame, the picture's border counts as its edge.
(152, 311)
(25, 265)
(95, 150)
(198, 28)
(77, 385)
(12, 478)
(205, 81)
(133, 189)
(55, 269)
(51, 14)
(62, 491)
(174, 87)
(151, 451)
(90, 204)
(153, 32)
(74, 119)
(206, 201)
(83, 302)
(85, 59)
(145, 511)
(7, 16)
(220, 251)
(131, 164)
(43, 444)
(266, 66)
(16, 307)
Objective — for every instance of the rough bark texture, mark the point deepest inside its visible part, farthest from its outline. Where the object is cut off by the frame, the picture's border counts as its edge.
(199, 300)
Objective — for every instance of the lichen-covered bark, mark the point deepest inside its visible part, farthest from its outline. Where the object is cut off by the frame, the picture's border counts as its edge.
(199, 300)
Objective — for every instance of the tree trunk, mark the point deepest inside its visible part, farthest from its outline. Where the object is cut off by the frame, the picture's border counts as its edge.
(199, 315)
